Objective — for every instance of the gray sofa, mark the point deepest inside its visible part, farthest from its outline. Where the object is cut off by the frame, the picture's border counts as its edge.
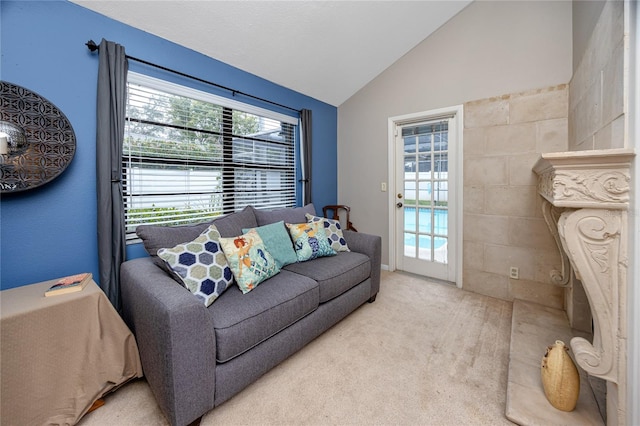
(195, 358)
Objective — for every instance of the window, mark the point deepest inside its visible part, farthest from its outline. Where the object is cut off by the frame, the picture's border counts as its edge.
(426, 163)
(189, 156)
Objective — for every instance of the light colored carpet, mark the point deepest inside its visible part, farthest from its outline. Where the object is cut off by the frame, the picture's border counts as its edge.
(423, 353)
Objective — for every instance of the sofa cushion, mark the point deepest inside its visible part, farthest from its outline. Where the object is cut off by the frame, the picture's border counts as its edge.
(288, 215)
(249, 260)
(334, 232)
(335, 274)
(277, 241)
(310, 241)
(241, 321)
(231, 225)
(155, 237)
(200, 265)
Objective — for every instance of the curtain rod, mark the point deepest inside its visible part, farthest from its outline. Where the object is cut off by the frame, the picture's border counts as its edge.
(92, 46)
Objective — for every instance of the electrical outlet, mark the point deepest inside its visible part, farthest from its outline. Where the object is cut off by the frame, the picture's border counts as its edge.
(514, 273)
(383, 186)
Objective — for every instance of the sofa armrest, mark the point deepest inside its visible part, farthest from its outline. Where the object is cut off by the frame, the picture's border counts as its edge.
(370, 245)
(176, 343)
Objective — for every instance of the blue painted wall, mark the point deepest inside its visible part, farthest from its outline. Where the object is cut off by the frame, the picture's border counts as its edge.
(50, 231)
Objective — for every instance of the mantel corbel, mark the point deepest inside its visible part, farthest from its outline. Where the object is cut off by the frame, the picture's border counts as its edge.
(586, 198)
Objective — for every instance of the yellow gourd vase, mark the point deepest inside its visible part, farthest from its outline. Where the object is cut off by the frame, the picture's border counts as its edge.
(560, 378)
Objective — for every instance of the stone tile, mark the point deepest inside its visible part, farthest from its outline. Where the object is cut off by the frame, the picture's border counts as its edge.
(487, 229)
(525, 372)
(591, 118)
(485, 283)
(583, 145)
(474, 142)
(539, 315)
(539, 105)
(510, 200)
(521, 168)
(546, 260)
(527, 405)
(533, 349)
(608, 32)
(553, 135)
(486, 112)
(581, 80)
(571, 130)
(530, 232)
(498, 259)
(473, 255)
(613, 85)
(511, 139)
(611, 135)
(531, 291)
(532, 330)
(473, 196)
(487, 171)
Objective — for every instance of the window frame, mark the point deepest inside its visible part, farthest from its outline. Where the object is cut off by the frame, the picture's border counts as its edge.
(229, 105)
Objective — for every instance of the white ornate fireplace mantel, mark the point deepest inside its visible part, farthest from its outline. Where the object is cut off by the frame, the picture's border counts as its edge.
(586, 201)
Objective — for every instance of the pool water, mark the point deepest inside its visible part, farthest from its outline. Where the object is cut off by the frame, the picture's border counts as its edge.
(422, 222)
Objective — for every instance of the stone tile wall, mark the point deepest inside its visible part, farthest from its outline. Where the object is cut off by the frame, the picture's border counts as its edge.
(596, 91)
(503, 224)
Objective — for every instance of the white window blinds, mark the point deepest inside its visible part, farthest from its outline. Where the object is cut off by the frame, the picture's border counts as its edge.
(189, 156)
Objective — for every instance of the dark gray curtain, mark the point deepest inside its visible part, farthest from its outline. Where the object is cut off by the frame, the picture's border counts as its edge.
(305, 124)
(112, 89)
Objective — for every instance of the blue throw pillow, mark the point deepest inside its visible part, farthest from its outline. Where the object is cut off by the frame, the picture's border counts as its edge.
(201, 265)
(277, 241)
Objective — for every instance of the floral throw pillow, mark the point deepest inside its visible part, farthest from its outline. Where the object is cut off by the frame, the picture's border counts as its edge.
(334, 232)
(309, 241)
(201, 265)
(249, 260)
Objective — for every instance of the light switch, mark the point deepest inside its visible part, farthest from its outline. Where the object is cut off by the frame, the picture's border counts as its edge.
(383, 186)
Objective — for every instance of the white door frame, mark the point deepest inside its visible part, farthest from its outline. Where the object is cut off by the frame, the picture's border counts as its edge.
(455, 164)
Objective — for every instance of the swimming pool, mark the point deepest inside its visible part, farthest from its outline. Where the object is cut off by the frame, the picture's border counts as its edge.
(422, 221)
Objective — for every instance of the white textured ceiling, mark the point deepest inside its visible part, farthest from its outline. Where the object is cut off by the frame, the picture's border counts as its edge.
(324, 49)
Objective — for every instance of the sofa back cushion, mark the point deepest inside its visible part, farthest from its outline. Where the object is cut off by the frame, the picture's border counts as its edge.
(288, 215)
(232, 224)
(155, 237)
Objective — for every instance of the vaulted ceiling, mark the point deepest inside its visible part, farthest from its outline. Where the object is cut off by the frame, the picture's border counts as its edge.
(324, 49)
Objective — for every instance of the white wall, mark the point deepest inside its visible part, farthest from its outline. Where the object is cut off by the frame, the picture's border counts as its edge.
(489, 49)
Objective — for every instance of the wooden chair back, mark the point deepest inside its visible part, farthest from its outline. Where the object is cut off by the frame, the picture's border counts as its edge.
(334, 209)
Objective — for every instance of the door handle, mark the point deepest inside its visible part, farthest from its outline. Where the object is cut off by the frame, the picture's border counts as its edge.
(398, 205)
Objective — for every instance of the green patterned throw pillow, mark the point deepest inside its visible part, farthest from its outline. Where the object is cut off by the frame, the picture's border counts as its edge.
(201, 265)
(334, 232)
(249, 260)
(310, 241)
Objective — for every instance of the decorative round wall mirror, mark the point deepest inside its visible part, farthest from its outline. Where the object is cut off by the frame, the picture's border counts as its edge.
(37, 142)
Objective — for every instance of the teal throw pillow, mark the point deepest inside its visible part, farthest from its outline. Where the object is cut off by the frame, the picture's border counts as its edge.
(201, 265)
(277, 241)
(249, 260)
(310, 241)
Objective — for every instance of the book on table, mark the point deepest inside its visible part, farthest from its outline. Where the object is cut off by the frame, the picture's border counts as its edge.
(69, 284)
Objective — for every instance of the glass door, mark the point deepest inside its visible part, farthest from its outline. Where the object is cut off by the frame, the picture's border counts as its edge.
(422, 201)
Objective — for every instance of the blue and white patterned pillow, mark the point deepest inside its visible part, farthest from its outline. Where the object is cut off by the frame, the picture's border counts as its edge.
(201, 265)
(309, 241)
(334, 232)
